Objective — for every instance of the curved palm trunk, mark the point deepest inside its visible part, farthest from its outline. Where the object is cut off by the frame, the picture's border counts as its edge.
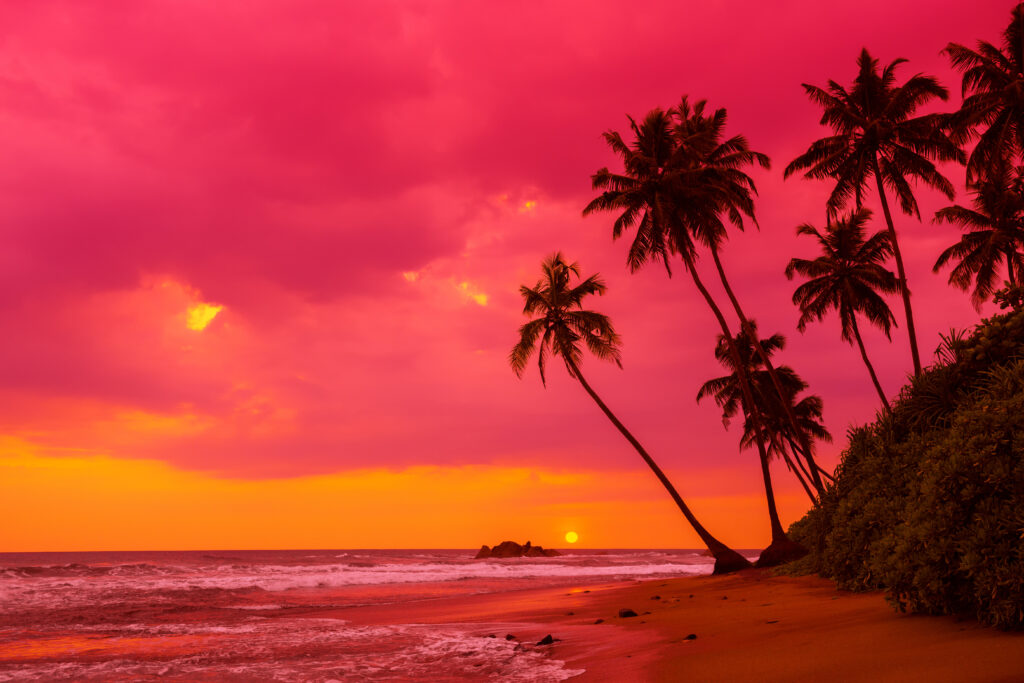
(782, 548)
(799, 477)
(805, 444)
(901, 273)
(726, 559)
(871, 369)
(1011, 273)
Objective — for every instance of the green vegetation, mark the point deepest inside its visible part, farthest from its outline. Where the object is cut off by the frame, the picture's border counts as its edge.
(928, 502)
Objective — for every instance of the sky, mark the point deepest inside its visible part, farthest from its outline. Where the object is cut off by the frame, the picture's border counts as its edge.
(261, 261)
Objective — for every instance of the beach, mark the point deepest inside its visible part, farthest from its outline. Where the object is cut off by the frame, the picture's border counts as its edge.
(439, 615)
(750, 626)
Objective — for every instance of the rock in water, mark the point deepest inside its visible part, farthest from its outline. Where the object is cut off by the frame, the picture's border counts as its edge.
(507, 549)
(623, 613)
(513, 549)
(546, 640)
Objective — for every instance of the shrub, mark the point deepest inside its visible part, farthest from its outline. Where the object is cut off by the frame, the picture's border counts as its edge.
(929, 502)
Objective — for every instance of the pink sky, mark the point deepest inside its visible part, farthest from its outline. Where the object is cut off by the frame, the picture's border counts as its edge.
(362, 188)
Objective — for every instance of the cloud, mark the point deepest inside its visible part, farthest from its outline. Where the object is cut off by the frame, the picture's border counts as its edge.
(350, 195)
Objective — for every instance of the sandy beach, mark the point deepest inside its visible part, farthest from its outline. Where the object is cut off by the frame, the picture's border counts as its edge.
(749, 627)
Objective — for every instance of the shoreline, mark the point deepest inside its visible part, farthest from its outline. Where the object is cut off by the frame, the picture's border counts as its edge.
(748, 626)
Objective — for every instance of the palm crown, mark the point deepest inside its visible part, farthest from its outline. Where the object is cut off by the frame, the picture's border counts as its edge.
(680, 178)
(777, 431)
(876, 132)
(993, 92)
(848, 276)
(995, 232)
(563, 323)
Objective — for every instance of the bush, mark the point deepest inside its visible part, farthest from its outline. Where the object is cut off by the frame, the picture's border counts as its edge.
(929, 502)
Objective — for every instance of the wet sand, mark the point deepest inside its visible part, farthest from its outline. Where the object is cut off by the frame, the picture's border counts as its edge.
(749, 627)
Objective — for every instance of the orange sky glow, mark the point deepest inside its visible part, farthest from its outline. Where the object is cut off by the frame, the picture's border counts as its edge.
(261, 261)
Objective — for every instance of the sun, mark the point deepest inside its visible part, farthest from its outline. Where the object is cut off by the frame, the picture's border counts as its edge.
(572, 537)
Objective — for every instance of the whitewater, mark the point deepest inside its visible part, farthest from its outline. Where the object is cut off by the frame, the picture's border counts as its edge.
(271, 615)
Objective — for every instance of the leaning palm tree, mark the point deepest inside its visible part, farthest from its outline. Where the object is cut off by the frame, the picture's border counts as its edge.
(661, 200)
(849, 277)
(993, 90)
(994, 233)
(775, 427)
(877, 136)
(562, 327)
(720, 163)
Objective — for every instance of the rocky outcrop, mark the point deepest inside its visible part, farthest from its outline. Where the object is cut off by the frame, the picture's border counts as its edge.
(507, 549)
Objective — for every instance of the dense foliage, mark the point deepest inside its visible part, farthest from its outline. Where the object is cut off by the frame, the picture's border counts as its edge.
(929, 501)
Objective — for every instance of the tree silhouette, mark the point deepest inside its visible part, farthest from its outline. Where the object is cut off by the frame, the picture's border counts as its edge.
(993, 97)
(778, 433)
(563, 327)
(877, 136)
(994, 233)
(661, 198)
(849, 277)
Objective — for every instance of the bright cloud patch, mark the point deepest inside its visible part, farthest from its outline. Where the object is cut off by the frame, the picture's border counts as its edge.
(201, 315)
(473, 293)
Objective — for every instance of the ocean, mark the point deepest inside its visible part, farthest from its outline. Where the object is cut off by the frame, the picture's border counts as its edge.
(272, 615)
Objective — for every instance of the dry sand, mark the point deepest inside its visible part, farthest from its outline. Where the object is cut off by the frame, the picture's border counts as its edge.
(750, 626)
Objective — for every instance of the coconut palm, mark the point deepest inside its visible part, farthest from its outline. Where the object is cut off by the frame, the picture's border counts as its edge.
(721, 162)
(993, 97)
(562, 328)
(849, 277)
(877, 136)
(777, 431)
(994, 233)
(661, 199)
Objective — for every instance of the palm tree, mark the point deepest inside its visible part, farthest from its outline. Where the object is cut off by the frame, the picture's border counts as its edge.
(849, 277)
(562, 324)
(721, 163)
(877, 136)
(660, 200)
(995, 232)
(777, 430)
(993, 92)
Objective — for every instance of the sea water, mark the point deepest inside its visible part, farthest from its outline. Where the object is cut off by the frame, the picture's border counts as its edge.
(272, 615)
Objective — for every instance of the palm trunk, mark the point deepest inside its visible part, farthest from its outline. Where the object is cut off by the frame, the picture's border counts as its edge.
(778, 533)
(783, 398)
(802, 468)
(799, 477)
(1010, 271)
(871, 369)
(726, 559)
(901, 273)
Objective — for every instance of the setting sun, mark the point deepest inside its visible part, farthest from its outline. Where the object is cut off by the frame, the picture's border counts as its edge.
(572, 537)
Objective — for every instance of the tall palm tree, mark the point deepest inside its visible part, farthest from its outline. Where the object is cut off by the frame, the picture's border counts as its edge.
(993, 90)
(660, 200)
(777, 430)
(848, 277)
(995, 232)
(562, 327)
(877, 136)
(721, 162)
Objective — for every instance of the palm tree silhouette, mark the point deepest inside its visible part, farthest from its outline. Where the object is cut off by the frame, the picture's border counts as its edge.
(777, 430)
(877, 135)
(720, 163)
(849, 277)
(661, 199)
(993, 97)
(995, 232)
(562, 327)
